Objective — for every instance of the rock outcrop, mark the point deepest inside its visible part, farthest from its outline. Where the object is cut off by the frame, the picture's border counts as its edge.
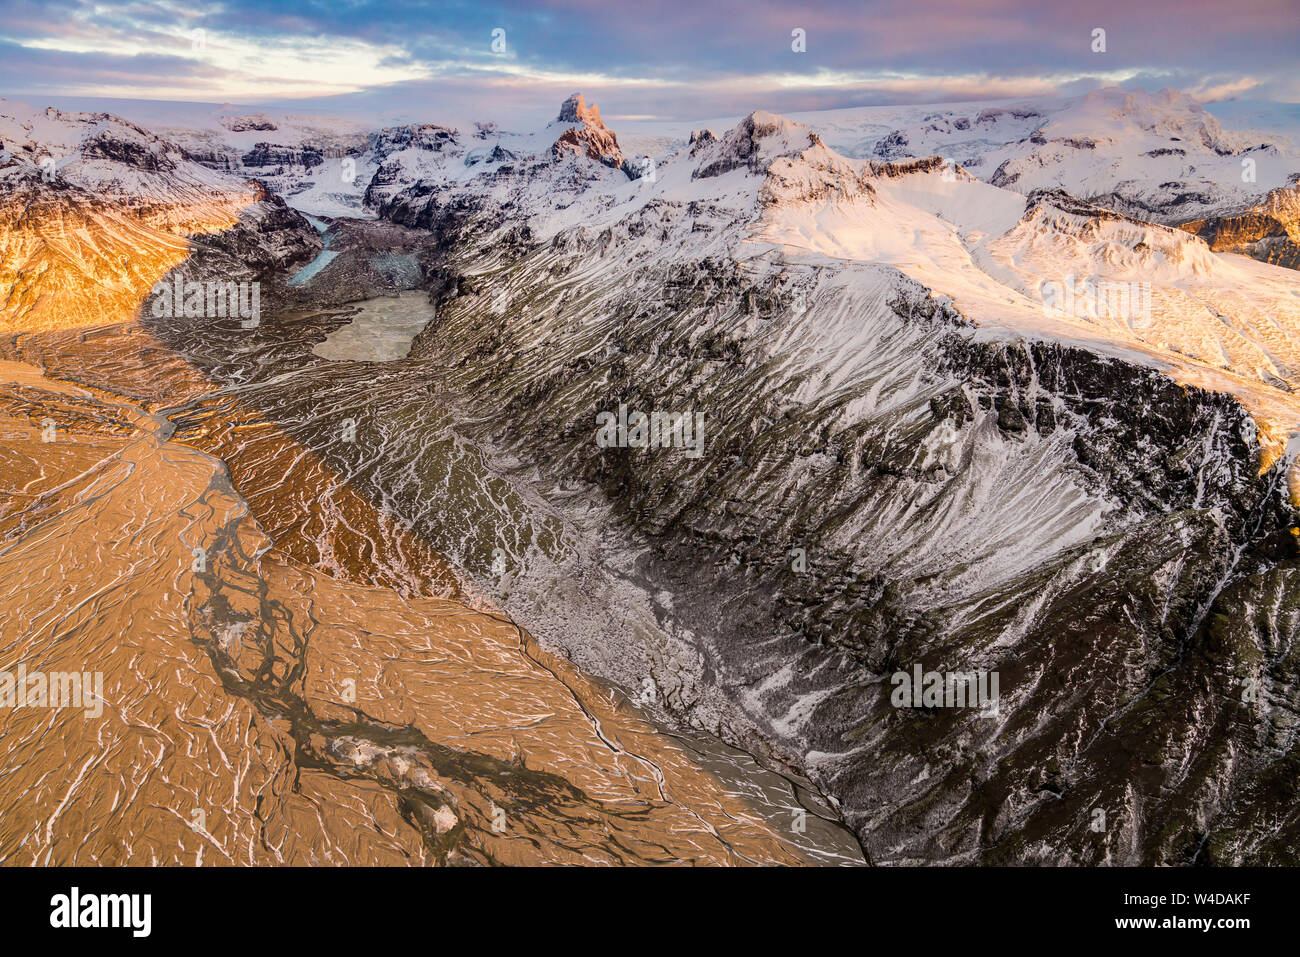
(269, 155)
(587, 135)
(1269, 232)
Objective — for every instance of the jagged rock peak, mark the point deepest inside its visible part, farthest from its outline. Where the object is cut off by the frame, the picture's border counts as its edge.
(702, 138)
(576, 110)
(592, 138)
(754, 143)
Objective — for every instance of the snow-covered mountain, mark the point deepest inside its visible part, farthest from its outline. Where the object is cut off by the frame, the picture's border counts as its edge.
(1160, 156)
(1003, 259)
(900, 389)
(975, 416)
(97, 209)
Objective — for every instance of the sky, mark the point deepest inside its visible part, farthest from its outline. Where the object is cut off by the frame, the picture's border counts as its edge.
(669, 59)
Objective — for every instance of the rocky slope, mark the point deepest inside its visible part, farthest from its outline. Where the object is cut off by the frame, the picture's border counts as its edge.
(1269, 232)
(289, 671)
(909, 454)
(254, 710)
(907, 462)
(97, 210)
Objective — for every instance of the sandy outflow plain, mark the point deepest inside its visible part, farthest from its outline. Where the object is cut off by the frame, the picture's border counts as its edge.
(259, 711)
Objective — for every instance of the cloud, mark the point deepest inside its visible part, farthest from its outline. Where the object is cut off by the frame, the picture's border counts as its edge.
(675, 58)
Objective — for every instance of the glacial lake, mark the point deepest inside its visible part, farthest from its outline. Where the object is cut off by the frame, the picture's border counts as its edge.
(381, 331)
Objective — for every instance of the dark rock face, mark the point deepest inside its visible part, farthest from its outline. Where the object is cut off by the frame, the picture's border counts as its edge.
(992, 114)
(268, 154)
(702, 138)
(1003, 177)
(420, 207)
(1269, 232)
(425, 136)
(902, 168)
(215, 159)
(268, 237)
(1095, 533)
(1173, 196)
(145, 156)
(498, 154)
(638, 168)
(254, 121)
(893, 146)
(1060, 199)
